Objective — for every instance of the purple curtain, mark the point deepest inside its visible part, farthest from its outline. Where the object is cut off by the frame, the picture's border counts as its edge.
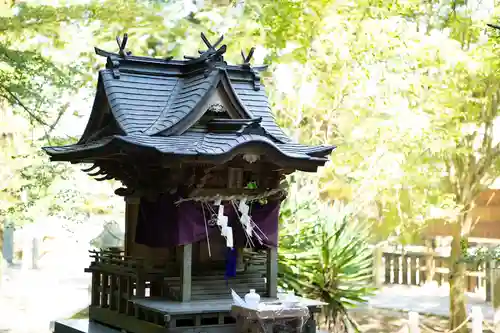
(162, 223)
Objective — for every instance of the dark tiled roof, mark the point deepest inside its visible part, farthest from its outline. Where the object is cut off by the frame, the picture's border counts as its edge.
(155, 102)
(152, 103)
(137, 100)
(189, 93)
(257, 103)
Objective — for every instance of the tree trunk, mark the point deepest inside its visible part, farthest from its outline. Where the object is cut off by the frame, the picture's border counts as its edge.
(458, 312)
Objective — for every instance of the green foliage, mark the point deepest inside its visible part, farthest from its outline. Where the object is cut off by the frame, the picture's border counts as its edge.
(324, 254)
(41, 66)
(482, 254)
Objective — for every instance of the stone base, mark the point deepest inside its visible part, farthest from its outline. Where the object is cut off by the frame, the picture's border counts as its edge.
(81, 326)
(86, 326)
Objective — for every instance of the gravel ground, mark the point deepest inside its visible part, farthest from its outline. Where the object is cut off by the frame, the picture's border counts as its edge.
(371, 320)
(31, 299)
(389, 321)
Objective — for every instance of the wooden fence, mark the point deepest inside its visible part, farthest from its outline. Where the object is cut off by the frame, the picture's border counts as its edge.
(417, 268)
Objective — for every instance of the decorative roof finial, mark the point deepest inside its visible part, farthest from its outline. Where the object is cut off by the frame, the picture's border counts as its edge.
(122, 44)
(212, 53)
(246, 64)
(208, 44)
(248, 58)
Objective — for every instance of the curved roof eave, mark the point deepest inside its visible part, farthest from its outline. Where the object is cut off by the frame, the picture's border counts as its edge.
(308, 163)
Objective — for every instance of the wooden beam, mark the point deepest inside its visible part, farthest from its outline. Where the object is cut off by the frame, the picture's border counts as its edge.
(131, 214)
(272, 272)
(186, 267)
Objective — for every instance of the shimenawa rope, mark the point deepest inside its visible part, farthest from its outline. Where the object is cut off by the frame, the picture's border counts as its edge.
(447, 331)
(489, 327)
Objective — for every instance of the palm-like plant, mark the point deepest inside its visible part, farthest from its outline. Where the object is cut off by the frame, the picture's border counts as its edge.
(325, 255)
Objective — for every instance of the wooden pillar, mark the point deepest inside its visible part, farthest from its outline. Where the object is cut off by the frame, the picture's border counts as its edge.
(413, 322)
(104, 290)
(131, 214)
(7, 248)
(272, 272)
(378, 266)
(477, 319)
(489, 280)
(122, 290)
(493, 287)
(130, 294)
(113, 292)
(429, 262)
(95, 299)
(235, 178)
(388, 267)
(140, 282)
(397, 267)
(404, 268)
(186, 254)
(414, 272)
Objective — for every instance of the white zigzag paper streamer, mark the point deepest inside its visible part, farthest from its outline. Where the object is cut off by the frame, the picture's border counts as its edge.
(222, 220)
(245, 218)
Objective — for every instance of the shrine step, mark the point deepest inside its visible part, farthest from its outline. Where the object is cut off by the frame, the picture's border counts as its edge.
(201, 292)
(217, 275)
(216, 286)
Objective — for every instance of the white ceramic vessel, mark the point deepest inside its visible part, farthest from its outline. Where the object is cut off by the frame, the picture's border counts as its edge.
(252, 299)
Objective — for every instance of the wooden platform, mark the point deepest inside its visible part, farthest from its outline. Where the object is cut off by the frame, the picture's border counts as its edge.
(158, 315)
(199, 307)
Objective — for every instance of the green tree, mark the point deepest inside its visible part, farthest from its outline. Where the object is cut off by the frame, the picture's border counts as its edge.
(42, 65)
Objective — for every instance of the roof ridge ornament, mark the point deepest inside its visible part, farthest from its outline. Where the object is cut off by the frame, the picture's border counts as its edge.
(211, 55)
(246, 64)
(122, 44)
(113, 61)
(122, 51)
(247, 58)
(208, 44)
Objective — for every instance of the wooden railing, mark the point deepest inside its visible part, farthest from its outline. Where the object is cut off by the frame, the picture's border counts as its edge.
(116, 278)
(417, 268)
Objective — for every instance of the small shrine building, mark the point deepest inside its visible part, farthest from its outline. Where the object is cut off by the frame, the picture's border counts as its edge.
(202, 162)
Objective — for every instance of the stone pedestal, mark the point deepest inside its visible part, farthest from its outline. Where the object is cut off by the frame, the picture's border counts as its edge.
(81, 326)
(270, 320)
